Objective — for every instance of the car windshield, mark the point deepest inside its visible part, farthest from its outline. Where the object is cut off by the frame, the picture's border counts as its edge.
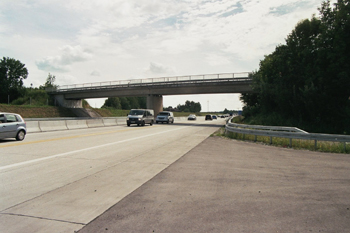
(136, 112)
(163, 114)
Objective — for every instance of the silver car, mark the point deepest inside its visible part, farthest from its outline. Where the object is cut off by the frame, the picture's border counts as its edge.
(192, 117)
(12, 125)
(165, 116)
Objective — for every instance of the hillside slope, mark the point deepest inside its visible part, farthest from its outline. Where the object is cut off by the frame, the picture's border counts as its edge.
(37, 112)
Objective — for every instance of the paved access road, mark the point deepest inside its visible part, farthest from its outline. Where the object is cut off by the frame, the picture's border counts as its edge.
(60, 181)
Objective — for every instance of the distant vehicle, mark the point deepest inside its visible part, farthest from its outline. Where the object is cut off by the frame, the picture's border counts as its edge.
(12, 125)
(140, 117)
(214, 117)
(165, 116)
(192, 117)
(208, 117)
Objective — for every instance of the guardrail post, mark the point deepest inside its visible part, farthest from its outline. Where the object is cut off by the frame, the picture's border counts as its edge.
(290, 143)
(345, 147)
(270, 140)
(315, 144)
(255, 138)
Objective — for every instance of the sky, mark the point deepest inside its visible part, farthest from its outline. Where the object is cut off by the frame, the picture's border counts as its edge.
(86, 41)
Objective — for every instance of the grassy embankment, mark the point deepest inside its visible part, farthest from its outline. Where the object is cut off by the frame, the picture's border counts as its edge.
(29, 111)
(322, 146)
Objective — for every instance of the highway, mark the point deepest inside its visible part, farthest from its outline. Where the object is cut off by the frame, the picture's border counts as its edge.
(60, 181)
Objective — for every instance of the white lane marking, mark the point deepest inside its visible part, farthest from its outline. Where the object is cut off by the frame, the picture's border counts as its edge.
(81, 150)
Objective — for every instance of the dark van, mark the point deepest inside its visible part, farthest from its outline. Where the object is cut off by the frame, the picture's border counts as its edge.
(140, 117)
(208, 117)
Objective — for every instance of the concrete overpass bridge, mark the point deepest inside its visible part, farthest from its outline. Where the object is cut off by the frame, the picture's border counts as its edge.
(71, 96)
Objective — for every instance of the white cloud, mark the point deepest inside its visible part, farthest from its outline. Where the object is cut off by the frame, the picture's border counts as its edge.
(68, 56)
(217, 60)
(155, 69)
(95, 73)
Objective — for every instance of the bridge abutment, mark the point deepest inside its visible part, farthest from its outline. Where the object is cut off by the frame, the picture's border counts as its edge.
(68, 103)
(155, 102)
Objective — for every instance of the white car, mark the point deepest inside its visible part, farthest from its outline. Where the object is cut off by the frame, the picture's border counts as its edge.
(12, 125)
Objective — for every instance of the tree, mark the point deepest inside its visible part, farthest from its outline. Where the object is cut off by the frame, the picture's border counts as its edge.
(12, 73)
(134, 103)
(306, 82)
(125, 103)
(190, 106)
(50, 82)
(112, 102)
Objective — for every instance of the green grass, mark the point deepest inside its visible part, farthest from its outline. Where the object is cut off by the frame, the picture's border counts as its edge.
(31, 111)
(111, 112)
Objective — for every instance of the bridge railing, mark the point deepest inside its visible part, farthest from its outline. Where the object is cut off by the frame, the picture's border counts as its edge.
(285, 132)
(204, 77)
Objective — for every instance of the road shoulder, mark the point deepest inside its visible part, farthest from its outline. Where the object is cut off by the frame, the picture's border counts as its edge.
(225, 185)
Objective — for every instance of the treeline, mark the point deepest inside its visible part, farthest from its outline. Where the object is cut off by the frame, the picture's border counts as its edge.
(125, 103)
(12, 90)
(189, 106)
(306, 82)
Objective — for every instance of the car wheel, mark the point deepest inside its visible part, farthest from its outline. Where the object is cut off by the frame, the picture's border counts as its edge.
(20, 135)
(128, 124)
(151, 123)
(172, 122)
(143, 123)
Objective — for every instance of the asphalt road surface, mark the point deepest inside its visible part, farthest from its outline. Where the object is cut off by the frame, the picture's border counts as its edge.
(233, 186)
(60, 181)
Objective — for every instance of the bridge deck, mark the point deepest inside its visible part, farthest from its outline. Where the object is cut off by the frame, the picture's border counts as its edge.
(198, 84)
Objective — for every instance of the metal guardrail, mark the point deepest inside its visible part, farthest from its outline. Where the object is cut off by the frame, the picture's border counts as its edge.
(244, 76)
(285, 132)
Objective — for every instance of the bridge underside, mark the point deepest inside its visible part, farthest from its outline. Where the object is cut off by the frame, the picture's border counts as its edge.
(154, 92)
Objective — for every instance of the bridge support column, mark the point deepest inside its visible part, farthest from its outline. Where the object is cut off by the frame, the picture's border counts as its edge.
(155, 102)
(68, 103)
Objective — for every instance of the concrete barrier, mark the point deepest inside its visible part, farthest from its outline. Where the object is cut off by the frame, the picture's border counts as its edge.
(110, 121)
(52, 125)
(180, 119)
(33, 126)
(121, 120)
(95, 123)
(76, 124)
